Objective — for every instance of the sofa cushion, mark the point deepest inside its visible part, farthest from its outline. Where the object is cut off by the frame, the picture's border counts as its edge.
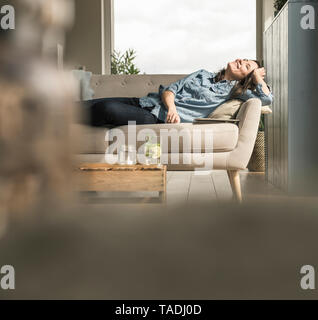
(266, 110)
(187, 137)
(83, 79)
(225, 136)
(227, 110)
(132, 85)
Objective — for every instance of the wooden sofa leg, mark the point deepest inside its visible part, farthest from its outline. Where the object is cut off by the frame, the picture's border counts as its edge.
(234, 177)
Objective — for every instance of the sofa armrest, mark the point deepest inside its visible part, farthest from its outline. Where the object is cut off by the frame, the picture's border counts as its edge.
(249, 116)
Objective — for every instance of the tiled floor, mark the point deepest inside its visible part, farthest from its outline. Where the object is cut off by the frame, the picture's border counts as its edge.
(215, 186)
(189, 186)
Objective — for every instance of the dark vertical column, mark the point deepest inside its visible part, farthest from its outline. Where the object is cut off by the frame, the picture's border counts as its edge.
(303, 98)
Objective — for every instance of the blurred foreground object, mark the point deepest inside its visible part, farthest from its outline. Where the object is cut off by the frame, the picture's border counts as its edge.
(35, 109)
(251, 251)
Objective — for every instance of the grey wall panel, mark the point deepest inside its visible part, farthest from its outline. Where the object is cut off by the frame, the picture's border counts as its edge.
(268, 56)
(276, 118)
(276, 63)
(284, 97)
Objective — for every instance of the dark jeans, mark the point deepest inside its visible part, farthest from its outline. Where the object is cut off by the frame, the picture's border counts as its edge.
(116, 112)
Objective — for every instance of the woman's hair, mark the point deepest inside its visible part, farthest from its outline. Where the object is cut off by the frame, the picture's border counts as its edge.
(241, 86)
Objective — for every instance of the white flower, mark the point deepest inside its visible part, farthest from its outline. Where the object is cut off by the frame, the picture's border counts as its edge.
(155, 151)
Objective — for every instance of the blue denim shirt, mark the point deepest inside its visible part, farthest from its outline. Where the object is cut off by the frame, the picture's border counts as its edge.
(196, 96)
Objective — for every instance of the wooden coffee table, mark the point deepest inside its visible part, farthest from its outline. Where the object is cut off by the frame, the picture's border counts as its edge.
(122, 178)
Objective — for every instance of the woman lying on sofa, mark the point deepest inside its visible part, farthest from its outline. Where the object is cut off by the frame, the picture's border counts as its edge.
(194, 96)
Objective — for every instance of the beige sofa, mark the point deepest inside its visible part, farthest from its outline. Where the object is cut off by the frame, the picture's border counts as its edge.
(232, 143)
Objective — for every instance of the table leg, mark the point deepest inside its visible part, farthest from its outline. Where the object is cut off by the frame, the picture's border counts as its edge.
(162, 196)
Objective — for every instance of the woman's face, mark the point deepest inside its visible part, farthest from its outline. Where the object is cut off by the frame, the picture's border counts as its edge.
(241, 68)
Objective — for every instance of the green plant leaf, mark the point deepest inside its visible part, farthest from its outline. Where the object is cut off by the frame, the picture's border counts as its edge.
(278, 5)
(123, 63)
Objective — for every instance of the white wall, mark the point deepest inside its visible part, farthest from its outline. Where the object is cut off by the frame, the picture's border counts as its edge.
(89, 42)
(264, 17)
(268, 13)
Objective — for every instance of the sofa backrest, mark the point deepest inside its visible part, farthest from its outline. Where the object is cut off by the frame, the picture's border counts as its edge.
(130, 85)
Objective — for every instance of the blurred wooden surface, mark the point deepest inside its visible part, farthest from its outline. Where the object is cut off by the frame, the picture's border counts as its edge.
(121, 178)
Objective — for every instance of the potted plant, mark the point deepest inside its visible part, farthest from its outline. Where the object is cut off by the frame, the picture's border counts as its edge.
(124, 63)
(257, 161)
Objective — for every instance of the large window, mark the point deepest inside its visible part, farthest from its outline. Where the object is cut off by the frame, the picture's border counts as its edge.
(182, 36)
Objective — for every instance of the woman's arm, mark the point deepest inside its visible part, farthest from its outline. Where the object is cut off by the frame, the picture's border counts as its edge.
(168, 100)
(258, 78)
(262, 90)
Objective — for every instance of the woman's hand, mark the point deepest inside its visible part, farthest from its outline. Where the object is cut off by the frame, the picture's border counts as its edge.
(168, 100)
(172, 116)
(258, 78)
(259, 74)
